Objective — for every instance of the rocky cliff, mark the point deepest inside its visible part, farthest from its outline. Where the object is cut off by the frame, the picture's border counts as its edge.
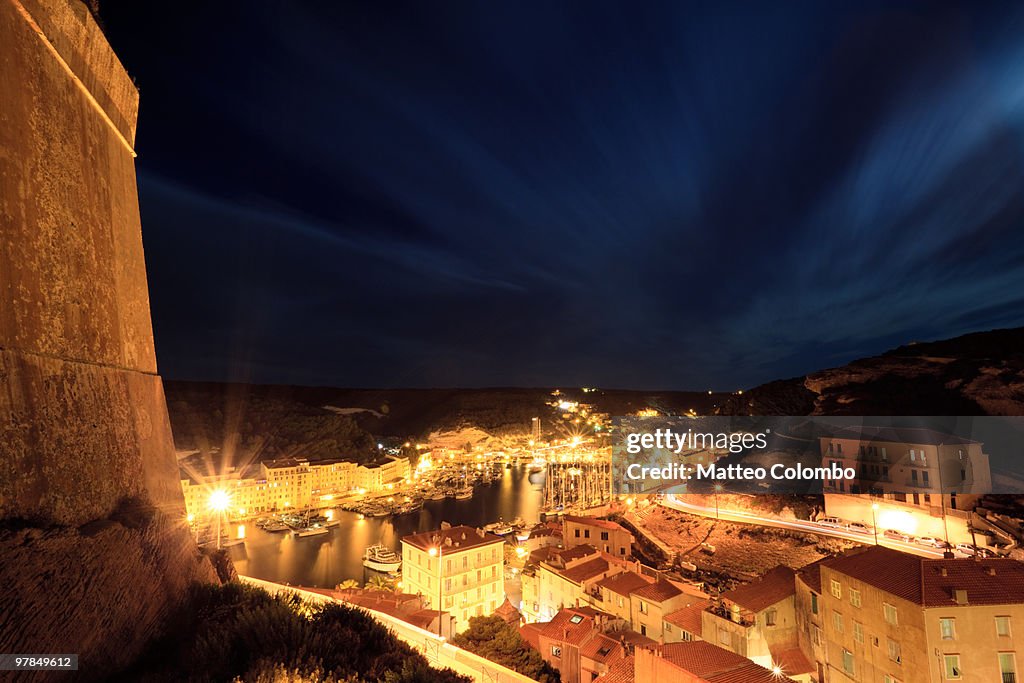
(976, 374)
(94, 546)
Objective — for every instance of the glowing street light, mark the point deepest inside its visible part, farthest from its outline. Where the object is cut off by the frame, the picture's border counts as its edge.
(718, 489)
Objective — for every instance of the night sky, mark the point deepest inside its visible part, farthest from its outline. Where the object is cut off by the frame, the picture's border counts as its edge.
(637, 195)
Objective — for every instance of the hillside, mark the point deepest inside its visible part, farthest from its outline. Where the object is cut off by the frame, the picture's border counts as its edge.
(976, 374)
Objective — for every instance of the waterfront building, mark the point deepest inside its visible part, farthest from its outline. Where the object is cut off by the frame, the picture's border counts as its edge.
(895, 617)
(918, 481)
(605, 535)
(289, 484)
(457, 569)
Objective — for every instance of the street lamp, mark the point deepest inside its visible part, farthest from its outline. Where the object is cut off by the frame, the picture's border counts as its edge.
(718, 489)
(874, 520)
(219, 502)
(438, 553)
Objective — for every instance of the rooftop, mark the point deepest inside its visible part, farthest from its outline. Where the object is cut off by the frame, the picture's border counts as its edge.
(933, 583)
(594, 521)
(659, 591)
(452, 539)
(625, 582)
(688, 618)
(716, 665)
(776, 585)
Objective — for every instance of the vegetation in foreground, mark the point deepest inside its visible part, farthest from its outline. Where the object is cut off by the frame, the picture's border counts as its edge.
(236, 632)
(494, 639)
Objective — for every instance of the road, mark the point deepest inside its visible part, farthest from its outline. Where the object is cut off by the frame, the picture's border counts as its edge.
(743, 517)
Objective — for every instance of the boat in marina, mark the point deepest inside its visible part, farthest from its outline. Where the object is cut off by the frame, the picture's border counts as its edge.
(464, 493)
(275, 525)
(437, 494)
(381, 558)
(315, 530)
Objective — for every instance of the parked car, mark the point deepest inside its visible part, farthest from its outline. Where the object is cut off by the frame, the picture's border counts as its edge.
(831, 522)
(931, 541)
(971, 550)
(859, 528)
(898, 536)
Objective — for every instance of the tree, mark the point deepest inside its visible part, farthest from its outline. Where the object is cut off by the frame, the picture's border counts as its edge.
(493, 638)
(380, 583)
(347, 584)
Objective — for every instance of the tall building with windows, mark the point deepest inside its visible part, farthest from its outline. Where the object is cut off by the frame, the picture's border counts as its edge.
(898, 618)
(456, 569)
(918, 481)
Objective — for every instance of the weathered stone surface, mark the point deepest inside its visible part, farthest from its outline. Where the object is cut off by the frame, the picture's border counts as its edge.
(94, 549)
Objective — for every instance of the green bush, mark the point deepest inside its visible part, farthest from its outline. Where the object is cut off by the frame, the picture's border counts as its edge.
(238, 632)
(491, 637)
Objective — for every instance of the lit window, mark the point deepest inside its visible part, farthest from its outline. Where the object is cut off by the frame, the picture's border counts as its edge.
(769, 617)
(890, 614)
(1003, 626)
(951, 665)
(947, 627)
(1008, 666)
(848, 663)
(858, 632)
(837, 621)
(837, 589)
(556, 651)
(855, 597)
(576, 619)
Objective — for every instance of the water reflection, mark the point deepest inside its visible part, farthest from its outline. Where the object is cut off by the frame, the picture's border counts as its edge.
(331, 558)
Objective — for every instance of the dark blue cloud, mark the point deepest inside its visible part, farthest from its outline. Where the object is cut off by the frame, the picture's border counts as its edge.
(658, 196)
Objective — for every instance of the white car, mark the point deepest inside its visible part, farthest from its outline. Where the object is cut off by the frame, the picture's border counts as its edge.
(831, 522)
(931, 541)
(859, 528)
(898, 536)
(971, 551)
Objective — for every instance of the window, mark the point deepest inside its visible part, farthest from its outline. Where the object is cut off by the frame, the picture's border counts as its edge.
(814, 603)
(951, 665)
(575, 619)
(603, 650)
(643, 607)
(855, 597)
(815, 634)
(769, 617)
(837, 621)
(1003, 627)
(890, 679)
(848, 663)
(577, 533)
(858, 632)
(668, 627)
(947, 628)
(687, 636)
(890, 614)
(643, 630)
(604, 535)
(586, 533)
(837, 589)
(1008, 666)
(556, 651)
(894, 650)
(723, 637)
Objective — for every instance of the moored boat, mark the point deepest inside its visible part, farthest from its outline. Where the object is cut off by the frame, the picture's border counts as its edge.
(381, 558)
(311, 531)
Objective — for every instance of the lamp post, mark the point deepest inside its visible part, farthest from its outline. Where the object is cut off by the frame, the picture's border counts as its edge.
(438, 552)
(219, 502)
(874, 520)
(718, 488)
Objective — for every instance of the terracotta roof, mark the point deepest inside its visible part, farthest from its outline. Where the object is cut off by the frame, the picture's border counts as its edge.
(774, 586)
(454, 539)
(576, 552)
(602, 648)
(659, 591)
(508, 612)
(594, 521)
(625, 582)
(716, 665)
(619, 672)
(994, 581)
(689, 618)
(571, 625)
(792, 661)
(583, 572)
